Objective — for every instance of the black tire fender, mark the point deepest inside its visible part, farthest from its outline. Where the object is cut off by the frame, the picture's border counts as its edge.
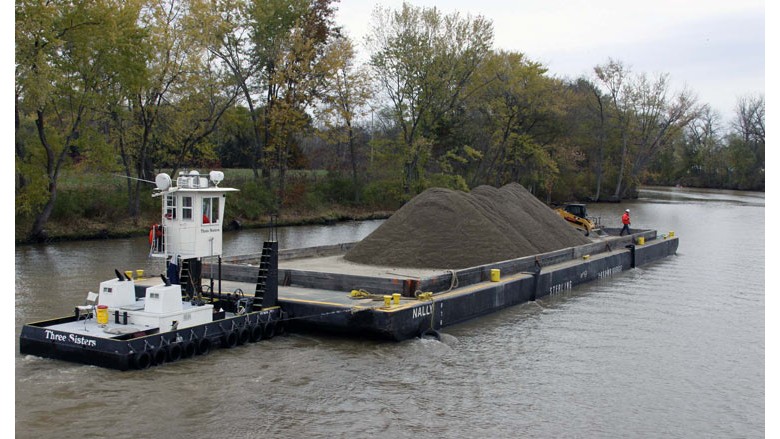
(230, 339)
(188, 349)
(204, 346)
(159, 356)
(142, 360)
(174, 352)
(431, 334)
(269, 330)
(243, 335)
(255, 333)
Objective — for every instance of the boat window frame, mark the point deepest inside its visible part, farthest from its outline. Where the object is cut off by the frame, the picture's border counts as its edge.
(186, 209)
(170, 206)
(212, 212)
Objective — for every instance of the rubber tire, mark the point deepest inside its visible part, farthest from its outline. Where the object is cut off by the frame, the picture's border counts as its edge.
(159, 356)
(431, 334)
(269, 330)
(255, 334)
(174, 352)
(188, 350)
(142, 360)
(281, 328)
(243, 335)
(204, 346)
(230, 339)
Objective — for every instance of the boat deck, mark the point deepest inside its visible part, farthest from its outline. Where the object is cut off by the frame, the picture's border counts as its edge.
(88, 325)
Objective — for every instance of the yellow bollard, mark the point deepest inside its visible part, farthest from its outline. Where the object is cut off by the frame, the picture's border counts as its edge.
(396, 299)
(139, 274)
(129, 274)
(495, 275)
(640, 240)
(387, 300)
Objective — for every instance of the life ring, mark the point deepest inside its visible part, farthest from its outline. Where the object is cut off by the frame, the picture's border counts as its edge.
(159, 356)
(243, 335)
(255, 333)
(142, 360)
(188, 350)
(174, 352)
(229, 339)
(204, 346)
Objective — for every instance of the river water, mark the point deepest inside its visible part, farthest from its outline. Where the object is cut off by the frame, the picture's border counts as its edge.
(672, 349)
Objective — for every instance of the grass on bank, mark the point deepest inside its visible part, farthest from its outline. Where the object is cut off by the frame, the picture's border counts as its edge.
(95, 205)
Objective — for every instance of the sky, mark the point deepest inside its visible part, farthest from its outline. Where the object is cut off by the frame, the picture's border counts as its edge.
(714, 48)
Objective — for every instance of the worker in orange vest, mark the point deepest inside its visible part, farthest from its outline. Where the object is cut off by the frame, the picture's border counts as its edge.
(626, 222)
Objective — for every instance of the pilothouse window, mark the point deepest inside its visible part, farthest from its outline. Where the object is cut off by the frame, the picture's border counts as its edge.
(211, 210)
(186, 208)
(170, 207)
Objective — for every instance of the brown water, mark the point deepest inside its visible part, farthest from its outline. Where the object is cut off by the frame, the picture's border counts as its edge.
(672, 349)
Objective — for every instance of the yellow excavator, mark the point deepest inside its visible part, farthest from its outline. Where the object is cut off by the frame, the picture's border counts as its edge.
(577, 215)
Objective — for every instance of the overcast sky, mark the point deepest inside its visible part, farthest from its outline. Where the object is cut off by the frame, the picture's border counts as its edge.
(714, 47)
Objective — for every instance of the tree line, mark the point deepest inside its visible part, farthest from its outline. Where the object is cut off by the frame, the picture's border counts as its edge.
(136, 86)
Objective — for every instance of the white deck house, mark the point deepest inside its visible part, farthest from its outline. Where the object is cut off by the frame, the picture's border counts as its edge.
(192, 216)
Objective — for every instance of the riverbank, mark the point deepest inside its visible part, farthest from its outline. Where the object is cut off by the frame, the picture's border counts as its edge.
(91, 229)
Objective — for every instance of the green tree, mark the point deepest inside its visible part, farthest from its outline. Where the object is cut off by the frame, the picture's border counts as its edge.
(522, 109)
(615, 77)
(136, 110)
(660, 121)
(69, 54)
(345, 99)
(747, 143)
(647, 119)
(202, 98)
(300, 71)
(423, 61)
(245, 40)
(589, 129)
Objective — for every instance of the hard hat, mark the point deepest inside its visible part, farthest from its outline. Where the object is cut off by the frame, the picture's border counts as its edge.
(628, 210)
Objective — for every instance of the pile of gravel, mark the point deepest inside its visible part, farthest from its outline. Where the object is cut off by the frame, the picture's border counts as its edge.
(443, 228)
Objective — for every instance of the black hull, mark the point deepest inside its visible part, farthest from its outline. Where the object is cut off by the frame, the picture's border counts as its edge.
(479, 298)
(141, 350)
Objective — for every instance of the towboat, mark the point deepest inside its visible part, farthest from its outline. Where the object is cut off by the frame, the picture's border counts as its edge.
(133, 322)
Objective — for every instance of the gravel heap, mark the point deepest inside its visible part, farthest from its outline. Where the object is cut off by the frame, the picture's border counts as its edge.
(443, 228)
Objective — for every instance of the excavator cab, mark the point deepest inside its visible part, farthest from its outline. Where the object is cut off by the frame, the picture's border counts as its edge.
(577, 210)
(577, 215)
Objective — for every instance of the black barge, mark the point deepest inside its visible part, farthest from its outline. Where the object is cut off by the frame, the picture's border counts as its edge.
(321, 291)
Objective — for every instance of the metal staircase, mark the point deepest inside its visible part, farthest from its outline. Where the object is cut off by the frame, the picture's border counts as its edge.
(267, 286)
(190, 276)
